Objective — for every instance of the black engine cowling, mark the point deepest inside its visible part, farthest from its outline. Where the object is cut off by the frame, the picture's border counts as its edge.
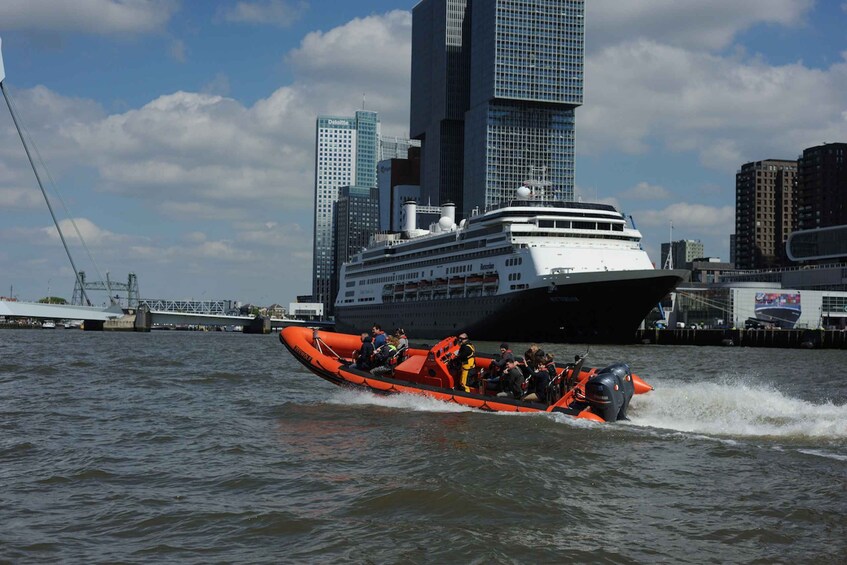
(609, 392)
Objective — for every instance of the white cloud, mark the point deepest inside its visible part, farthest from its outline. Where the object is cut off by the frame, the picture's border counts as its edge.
(694, 219)
(279, 13)
(100, 17)
(646, 191)
(20, 198)
(700, 25)
(724, 109)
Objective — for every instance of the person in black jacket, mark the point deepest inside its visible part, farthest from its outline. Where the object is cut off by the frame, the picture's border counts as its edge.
(365, 353)
(540, 380)
(511, 380)
(506, 355)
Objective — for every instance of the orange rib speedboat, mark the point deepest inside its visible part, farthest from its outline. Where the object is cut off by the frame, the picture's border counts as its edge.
(602, 395)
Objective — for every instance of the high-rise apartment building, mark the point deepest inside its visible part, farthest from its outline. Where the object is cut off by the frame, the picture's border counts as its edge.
(822, 187)
(494, 89)
(346, 153)
(764, 212)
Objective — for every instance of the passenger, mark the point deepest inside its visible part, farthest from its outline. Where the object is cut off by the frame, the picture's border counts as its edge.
(365, 353)
(554, 387)
(385, 357)
(402, 342)
(378, 336)
(540, 381)
(511, 380)
(499, 366)
(529, 362)
(467, 361)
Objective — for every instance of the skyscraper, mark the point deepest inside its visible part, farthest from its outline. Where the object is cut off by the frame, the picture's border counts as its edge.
(494, 89)
(822, 186)
(440, 94)
(764, 212)
(346, 153)
(356, 220)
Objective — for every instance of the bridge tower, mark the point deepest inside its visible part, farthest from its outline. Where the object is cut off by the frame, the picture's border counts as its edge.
(130, 288)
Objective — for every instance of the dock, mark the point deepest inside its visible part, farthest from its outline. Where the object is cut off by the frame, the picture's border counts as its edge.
(772, 337)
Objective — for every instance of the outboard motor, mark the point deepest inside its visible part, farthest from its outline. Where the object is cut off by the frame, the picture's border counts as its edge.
(609, 392)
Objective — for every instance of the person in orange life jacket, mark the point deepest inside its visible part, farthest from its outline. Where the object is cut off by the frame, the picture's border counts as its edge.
(378, 336)
(402, 344)
(363, 359)
(402, 340)
(467, 361)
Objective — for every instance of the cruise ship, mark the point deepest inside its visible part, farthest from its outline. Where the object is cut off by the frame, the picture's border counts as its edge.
(530, 270)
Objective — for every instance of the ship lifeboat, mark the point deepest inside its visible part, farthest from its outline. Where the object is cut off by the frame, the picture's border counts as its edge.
(602, 395)
(490, 279)
(474, 280)
(457, 281)
(411, 287)
(439, 283)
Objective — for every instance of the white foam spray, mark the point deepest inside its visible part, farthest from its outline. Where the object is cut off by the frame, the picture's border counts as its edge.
(735, 408)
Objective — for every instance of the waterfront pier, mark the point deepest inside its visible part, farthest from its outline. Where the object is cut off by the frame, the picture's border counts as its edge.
(775, 337)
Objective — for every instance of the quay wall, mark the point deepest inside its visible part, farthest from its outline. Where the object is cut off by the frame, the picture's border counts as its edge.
(789, 339)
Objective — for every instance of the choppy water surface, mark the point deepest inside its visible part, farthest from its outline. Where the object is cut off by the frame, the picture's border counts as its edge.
(219, 447)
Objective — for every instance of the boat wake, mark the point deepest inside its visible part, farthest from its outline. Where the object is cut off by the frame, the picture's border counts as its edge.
(417, 403)
(735, 408)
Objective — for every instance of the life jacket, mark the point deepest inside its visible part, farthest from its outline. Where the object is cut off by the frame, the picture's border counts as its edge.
(471, 359)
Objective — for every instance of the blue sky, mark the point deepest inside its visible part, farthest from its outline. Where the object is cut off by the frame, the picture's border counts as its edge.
(180, 133)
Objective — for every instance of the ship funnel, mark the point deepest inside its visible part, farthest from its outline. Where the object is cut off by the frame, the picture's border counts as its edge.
(410, 210)
(448, 210)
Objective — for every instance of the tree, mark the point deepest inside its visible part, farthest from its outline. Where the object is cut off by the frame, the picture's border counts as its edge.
(52, 300)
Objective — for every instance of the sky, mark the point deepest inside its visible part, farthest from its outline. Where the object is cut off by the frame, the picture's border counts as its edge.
(179, 134)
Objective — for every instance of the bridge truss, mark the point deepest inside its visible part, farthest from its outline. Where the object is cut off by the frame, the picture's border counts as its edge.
(114, 288)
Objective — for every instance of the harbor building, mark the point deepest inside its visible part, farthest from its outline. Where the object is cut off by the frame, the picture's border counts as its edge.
(765, 202)
(683, 253)
(494, 89)
(346, 154)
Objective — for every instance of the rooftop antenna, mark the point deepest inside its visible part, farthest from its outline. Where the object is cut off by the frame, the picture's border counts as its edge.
(35, 170)
(669, 260)
(363, 101)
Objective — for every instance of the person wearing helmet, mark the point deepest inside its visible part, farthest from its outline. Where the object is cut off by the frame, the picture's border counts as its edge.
(467, 361)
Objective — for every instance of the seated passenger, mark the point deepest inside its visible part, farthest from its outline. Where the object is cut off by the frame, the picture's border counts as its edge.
(378, 336)
(540, 380)
(511, 381)
(365, 353)
(385, 357)
(402, 343)
(499, 365)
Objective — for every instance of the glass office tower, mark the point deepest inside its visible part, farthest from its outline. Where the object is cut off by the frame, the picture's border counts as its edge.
(346, 153)
(494, 88)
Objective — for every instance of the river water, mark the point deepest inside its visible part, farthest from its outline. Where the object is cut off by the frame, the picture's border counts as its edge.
(216, 447)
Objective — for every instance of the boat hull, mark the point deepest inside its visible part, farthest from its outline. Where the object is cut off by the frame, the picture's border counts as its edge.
(605, 307)
(425, 372)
